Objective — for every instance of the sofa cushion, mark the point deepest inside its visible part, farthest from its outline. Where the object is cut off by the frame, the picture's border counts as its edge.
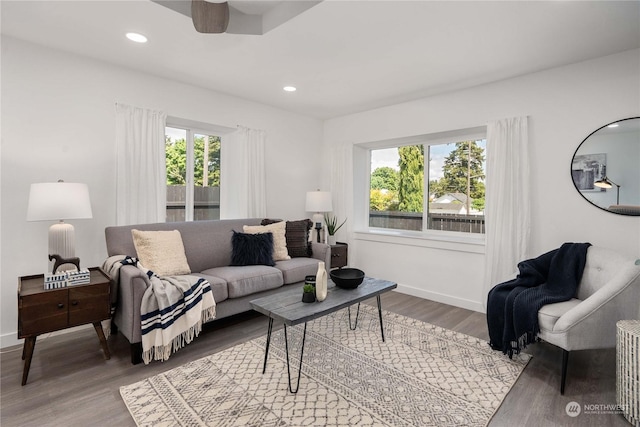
(161, 252)
(279, 240)
(252, 249)
(247, 280)
(549, 314)
(296, 269)
(218, 286)
(297, 236)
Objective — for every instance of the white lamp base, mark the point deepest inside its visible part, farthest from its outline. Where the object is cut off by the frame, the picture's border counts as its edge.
(62, 241)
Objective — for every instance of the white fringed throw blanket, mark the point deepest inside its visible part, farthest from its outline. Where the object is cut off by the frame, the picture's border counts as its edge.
(173, 309)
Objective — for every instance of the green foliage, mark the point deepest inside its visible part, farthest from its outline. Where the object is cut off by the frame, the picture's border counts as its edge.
(466, 160)
(382, 200)
(410, 188)
(385, 178)
(332, 223)
(308, 289)
(176, 161)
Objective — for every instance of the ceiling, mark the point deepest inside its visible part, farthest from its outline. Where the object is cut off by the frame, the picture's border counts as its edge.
(343, 56)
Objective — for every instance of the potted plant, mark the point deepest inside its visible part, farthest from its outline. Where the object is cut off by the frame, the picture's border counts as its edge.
(332, 227)
(308, 293)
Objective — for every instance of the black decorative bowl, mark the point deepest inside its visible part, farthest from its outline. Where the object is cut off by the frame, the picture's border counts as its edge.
(347, 278)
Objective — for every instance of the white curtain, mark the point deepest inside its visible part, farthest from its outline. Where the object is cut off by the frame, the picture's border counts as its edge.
(507, 212)
(141, 190)
(243, 187)
(342, 188)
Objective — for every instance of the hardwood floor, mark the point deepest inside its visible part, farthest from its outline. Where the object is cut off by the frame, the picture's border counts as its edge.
(70, 383)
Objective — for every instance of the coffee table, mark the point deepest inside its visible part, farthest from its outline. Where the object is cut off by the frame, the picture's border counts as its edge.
(288, 308)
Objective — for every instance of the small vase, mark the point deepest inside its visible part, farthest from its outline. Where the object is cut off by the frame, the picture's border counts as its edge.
(308, 297)
(331, 240)
(321, 282)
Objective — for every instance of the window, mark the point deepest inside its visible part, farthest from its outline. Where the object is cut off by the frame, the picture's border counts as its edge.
(450, 190)
(193, 174)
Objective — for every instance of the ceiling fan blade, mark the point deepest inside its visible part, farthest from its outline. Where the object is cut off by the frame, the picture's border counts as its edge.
(210, 17)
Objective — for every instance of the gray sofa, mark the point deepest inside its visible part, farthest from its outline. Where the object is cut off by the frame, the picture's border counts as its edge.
(208, 249)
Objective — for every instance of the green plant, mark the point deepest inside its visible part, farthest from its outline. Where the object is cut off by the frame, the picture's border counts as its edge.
(332, 224)
(308, 289)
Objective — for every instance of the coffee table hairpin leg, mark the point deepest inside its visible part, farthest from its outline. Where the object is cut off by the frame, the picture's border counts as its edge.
(286, 346)
(355, 325)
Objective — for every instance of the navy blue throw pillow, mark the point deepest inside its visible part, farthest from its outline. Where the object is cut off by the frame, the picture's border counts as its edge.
(252, 249)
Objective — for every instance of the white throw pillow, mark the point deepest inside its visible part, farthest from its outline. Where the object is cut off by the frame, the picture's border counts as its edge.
(278, 229)
(161, 252)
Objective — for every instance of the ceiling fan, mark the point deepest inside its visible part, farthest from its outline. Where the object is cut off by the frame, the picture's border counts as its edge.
(238, 16)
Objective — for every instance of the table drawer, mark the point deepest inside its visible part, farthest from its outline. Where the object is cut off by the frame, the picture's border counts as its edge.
(88, 304)
(44, 312)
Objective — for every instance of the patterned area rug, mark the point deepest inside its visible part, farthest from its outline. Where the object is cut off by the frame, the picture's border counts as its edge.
(423, 375)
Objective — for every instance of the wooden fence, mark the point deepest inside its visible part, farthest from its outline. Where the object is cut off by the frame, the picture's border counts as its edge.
(206, 203)
(436, 221)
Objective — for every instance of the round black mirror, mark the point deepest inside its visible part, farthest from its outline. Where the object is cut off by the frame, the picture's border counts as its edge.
(605, 168)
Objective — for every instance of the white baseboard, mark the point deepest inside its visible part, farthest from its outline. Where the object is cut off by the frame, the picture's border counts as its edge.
(442, 298)
(11, 339)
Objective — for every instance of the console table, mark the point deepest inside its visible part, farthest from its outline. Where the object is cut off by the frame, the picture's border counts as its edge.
(47, 310)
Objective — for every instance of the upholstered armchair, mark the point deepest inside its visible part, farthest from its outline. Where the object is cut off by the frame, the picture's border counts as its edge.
(609, 291)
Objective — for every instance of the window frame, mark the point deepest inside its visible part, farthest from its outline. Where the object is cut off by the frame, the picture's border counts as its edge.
(469, 242)
(193, 128)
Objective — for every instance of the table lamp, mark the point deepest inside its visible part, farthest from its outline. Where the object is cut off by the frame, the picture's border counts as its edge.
(318, 202)
(59, 201)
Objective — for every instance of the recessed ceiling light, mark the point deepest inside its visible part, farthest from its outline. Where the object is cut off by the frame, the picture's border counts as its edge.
(289, 89)
(136, 37)
(613, 125)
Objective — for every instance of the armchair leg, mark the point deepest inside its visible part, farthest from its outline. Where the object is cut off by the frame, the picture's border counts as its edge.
(565, 361)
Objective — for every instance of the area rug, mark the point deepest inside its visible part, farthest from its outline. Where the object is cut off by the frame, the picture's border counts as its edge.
(423, 375)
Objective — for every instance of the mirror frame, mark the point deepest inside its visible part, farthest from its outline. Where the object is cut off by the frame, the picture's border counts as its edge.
(574, 182)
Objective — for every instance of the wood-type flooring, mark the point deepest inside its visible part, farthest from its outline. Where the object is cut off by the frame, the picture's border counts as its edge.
(70, 383)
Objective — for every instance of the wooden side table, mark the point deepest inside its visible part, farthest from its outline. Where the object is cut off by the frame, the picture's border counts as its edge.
(47, 310)
(627, 369)
(339, 255)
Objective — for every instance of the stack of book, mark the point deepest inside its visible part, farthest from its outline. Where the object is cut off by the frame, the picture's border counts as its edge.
(55, 281)
(67, 278)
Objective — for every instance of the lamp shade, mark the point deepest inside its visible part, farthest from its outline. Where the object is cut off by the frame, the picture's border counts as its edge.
(604, 183)
(55, 201)
(318, 201)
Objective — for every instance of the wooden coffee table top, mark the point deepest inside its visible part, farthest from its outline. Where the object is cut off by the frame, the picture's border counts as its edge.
(288, 306)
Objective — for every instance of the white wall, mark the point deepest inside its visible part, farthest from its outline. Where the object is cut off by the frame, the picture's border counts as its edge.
(564, 105)
(58, 122)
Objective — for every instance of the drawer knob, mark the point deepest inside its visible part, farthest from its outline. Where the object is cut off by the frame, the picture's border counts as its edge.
(74, 302)
(60, 305)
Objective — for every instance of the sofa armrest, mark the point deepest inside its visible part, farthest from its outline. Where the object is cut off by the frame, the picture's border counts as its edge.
(131, 287)
(322, 251)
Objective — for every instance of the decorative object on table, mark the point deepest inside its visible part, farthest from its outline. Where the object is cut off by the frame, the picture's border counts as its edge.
(308, 293)
(627, 368)
(61, 261)
(321, 282)
(347, 278)
(318, 202)
(417, 372)
(332, 227)
(66, 278)
(605, 183)
(59, 201)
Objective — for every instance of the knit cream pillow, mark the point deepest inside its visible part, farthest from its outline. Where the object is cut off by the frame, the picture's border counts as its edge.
(278, 230)
(161, 252)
